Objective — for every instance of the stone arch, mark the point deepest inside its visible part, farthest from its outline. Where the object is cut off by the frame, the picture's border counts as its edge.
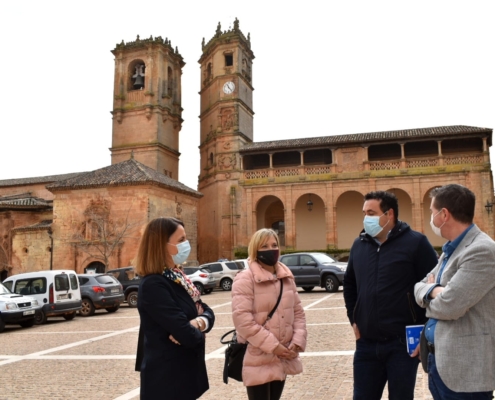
(311, 229)
(270, 214)
(434, 239)
(96, 266)
(349, 211)
(405, 205)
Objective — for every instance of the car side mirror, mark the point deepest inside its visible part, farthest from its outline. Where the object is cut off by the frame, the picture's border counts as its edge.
(312, 263)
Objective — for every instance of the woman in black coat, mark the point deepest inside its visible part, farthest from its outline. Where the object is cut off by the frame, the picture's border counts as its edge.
(171, 348)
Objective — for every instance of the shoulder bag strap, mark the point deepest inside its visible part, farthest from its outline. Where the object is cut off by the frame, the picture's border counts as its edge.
(278, 301)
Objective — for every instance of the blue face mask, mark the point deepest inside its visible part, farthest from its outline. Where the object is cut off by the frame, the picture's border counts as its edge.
(372, 225)
(183, 248)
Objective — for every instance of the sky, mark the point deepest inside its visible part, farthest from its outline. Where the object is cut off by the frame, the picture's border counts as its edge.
(321, 68)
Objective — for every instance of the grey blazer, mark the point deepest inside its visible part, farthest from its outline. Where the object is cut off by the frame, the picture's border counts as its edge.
(465, 333)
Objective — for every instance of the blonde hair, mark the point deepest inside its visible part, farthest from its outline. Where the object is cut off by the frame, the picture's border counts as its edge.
(258, 239)
(152, 253)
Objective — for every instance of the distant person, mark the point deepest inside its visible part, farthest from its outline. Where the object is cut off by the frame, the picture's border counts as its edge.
(459, 297)
(274, 346)
(171, 349)
(384, 264)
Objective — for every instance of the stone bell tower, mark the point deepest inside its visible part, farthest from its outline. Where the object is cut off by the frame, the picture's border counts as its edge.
(147, 104)
(226, 119)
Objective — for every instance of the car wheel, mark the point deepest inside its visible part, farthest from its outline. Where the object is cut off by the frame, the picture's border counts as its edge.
(308, 288)
(132, 299)
(2, 325)
(331, 283)
(208, 291)
(87, 308)
(69, 317)
(112, 309)
(200, 287)
(226, 284)
(40, 318)
(27, 324)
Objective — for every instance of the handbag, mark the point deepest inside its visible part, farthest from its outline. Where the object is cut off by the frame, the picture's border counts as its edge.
(234, 354)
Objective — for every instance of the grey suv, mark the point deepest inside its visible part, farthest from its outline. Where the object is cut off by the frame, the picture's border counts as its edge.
(315, 269)
(99, 291)
(224, 272)
(130, 282)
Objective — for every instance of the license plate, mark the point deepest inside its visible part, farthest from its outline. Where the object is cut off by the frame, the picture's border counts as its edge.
(114, 291)
(28, 312)
(62, 296)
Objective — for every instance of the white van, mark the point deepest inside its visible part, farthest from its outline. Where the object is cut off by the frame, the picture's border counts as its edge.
(16, 309)
(57, 291)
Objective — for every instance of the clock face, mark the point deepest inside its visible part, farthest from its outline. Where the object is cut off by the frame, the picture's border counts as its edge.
(228, 87)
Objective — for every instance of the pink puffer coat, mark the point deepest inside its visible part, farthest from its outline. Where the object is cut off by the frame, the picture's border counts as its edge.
(254, 294)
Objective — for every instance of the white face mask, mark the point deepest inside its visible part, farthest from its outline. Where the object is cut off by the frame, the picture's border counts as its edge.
(437, 230)
(372, 226)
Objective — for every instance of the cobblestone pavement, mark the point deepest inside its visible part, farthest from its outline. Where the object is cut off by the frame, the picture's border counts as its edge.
(93, 358)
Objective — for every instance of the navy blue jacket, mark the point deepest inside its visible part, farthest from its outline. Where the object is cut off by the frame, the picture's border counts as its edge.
(379, 282)
(170, 371)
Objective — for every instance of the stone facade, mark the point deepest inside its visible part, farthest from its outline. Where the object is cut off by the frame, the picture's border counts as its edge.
(310, 190)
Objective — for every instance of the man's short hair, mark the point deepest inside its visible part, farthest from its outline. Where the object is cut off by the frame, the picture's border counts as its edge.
(458, 199)
(387, 201)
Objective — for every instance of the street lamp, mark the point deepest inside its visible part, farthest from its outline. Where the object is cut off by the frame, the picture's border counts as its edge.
(309, 204)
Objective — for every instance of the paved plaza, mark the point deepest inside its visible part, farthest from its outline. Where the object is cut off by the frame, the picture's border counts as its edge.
(93, 358)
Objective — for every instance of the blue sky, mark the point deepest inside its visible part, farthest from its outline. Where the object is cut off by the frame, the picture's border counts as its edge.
(321, 68)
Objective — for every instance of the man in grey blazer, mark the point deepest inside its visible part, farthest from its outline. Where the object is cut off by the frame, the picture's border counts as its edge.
(459, 297)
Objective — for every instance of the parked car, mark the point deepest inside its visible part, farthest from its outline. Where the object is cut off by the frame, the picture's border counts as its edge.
(315, 269)
(204, 281)
(16, 309)
(99, 291)
(56, 290)
(242, 264)
(130, 283)
(223, 272)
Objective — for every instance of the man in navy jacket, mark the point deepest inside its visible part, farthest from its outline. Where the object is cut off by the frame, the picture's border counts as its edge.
(385, 262)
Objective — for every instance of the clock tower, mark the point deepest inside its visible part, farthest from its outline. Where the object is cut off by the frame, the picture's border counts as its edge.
(226, 124)
(147, 104)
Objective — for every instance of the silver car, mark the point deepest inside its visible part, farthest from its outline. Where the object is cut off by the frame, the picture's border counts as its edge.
(224, 272)
(202, 279)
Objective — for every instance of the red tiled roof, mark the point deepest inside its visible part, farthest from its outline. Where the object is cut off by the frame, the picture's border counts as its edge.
(125, 173)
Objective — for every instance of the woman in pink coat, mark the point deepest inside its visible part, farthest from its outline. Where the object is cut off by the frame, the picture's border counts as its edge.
(273, 349)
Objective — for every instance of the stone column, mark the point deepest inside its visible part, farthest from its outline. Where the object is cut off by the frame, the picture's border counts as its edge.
(440, 155)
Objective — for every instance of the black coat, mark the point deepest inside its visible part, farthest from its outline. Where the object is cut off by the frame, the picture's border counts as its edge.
(170, 371)
(379, 282)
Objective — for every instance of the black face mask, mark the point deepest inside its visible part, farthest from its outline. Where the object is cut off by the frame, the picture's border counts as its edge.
(268, 257)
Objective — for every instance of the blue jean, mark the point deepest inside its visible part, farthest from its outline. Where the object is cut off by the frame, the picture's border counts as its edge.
(375, 363)
(441, 392)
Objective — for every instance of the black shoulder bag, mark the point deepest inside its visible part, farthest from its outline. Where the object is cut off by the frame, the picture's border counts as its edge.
(234, 354)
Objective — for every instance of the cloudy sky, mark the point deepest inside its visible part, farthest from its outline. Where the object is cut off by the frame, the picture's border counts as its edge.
(321, 69)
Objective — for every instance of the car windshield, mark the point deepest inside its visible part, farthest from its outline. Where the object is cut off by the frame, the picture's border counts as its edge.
(323, 258)
(4, 290)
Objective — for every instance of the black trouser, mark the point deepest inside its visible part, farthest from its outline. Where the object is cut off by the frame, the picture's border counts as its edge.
(267, 391)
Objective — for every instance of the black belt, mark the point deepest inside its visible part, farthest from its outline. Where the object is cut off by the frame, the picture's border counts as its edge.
(430, 347)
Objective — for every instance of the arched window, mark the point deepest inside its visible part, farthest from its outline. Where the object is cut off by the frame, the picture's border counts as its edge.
(137, 72)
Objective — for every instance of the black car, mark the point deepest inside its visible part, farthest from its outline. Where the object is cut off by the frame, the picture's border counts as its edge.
(130, 282)
(315, 269)
(99, 291)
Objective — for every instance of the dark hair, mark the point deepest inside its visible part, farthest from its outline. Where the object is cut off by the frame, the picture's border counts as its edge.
(458, 199)
(387, 201)
(152, 252)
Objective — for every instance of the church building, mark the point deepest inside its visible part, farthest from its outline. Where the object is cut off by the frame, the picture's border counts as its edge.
(309, 190)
